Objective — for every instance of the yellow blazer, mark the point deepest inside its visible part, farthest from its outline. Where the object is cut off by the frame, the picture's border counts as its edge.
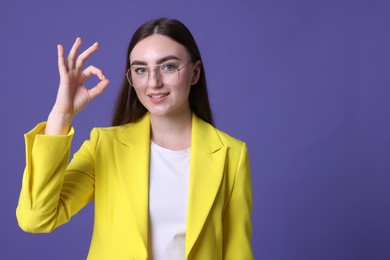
(112, 168)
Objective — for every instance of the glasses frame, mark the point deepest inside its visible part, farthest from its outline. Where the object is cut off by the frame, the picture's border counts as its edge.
(128, 72)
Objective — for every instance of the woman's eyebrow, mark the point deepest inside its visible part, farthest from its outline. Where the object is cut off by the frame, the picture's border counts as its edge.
(167, 58)
(159, 61)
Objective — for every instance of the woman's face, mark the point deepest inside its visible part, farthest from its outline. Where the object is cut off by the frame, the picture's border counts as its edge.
(164, 89)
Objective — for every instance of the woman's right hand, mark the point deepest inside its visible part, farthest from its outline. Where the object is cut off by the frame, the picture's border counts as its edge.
(72, 95)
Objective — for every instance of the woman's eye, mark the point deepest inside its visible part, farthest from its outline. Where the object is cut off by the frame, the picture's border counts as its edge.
(168, 67)
(140, 70)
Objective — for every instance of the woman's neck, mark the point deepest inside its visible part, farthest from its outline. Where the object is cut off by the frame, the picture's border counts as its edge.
(172, 132)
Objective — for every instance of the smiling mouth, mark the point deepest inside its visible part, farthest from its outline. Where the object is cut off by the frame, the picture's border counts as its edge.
(158, 96)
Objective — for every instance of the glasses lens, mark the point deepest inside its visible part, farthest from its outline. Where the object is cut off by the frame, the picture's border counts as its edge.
(169, 77)
(137, 76)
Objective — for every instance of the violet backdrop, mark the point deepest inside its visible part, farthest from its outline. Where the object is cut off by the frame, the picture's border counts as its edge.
(304, 83)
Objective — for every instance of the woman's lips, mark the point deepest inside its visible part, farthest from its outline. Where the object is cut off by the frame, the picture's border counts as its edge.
(158, 97)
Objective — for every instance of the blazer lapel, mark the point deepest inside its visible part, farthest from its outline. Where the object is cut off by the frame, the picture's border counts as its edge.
(132, 159)
(207, 165)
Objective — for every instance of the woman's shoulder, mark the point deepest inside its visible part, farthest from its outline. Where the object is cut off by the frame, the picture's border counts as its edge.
(112, 130)
(133, 128)
(236, 147)
(229, 140)
(205, 129)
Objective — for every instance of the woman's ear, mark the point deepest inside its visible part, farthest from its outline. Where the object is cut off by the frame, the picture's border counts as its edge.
(196, 75)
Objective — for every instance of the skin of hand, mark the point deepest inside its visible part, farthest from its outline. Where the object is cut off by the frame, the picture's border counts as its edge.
(72, 95)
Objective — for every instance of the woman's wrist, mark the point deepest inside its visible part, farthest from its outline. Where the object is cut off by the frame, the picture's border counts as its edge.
(58, 123)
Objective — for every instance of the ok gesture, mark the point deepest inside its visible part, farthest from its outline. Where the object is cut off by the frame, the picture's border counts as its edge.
(72, 95)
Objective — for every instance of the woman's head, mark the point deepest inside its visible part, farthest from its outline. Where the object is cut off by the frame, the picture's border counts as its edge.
(128, 106)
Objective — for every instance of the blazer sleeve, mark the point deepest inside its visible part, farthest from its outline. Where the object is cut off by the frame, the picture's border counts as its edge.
(237, 222)
(51, 193)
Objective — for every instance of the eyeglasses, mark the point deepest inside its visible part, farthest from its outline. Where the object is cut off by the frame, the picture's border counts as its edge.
(167, 73)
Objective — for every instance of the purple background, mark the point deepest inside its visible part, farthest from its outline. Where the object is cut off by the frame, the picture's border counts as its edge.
(304, 83)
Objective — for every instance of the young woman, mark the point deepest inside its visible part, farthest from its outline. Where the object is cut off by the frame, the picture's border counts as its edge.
(166, 183)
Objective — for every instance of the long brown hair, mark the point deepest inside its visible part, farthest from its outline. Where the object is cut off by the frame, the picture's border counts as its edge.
(128, 107)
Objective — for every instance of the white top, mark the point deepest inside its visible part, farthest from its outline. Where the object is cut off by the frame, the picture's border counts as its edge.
(168, 194)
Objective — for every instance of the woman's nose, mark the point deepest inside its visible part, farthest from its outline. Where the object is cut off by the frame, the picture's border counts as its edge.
(154, 78)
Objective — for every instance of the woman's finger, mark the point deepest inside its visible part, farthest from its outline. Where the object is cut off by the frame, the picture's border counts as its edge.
(61, 60)
(98, 89)
(85, 55)
(92, 70)
(73, 53)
